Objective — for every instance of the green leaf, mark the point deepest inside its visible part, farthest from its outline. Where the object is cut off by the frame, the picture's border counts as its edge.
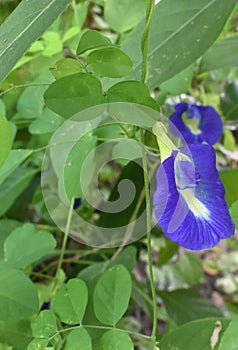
(185, 305)
(26, 245)
(190, 267)
(5, 139)
(44, 325)
(70, 301)
(80, 151)
(66, 66)
(127, 258)
(80, 337)
(116, 340)
(123, 15)
(92, 39)
(223, 54)
(112, 294)
(13, 186)
(30, 104)
(16, 333)
(53, 43)
(234, 213)
(167, 251)
(131, 91)
(229, 180)
(18, 295)
(229, 140)
(180, 83)
(229, 101)
(110, 62)
(73, 93)
(15, 158)
(38, 344)
(30, 22)
(229, 339)
(6, 227)
(47, 122)
(192, 335)
(172, 48)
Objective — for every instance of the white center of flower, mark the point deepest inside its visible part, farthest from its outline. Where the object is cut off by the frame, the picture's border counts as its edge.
(186, 181)
(194, 204)
(192, 122)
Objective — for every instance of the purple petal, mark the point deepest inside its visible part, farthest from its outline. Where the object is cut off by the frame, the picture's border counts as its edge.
(209, 126)
(193, 214)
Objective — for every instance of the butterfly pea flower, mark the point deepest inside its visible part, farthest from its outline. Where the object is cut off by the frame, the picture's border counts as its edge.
(189, 199)
(196, 124)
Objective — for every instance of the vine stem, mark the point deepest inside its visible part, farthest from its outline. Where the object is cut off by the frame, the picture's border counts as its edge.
(145, 39)
(149, 245)
(64, 243)
(144, 76)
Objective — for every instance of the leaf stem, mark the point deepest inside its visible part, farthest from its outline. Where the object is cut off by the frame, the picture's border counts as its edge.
(14, 87)
(101, 327)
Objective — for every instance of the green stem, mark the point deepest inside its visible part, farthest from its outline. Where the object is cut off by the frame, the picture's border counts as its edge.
(14, 87)
(135, 334)
(145, 39)
(149, 246)
(64, 243)
(144, 77)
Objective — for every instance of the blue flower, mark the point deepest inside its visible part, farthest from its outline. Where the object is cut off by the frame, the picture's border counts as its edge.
(189, 200)
(196, 124)
(77, 203)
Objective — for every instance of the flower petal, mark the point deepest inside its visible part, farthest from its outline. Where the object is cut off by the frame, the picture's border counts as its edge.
(195, 215)
(209, 126)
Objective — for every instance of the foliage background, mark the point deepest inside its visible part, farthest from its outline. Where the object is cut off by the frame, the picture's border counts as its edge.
(61, 294)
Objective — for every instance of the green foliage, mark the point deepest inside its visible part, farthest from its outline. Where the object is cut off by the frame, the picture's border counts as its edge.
(18, 296)
(117, 340)
(229, 102)
(222, 54)
(124, 15)
(171, 32)
(15, 158)
(16, 333)
(59, 58)
(30, 22)
(13, 186)
(80, 337)
(74, 164)
(5, 139)
(176, 304)
(70, 301)
(228, 178)
(131, 91)
(44, 325)
(190, 267)
(112, 294)
(110, 62)
(234, 213)
(25, 245)
(73, 93)
(229, 339)
(192, 335)
(66, 66)
(92, 39)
